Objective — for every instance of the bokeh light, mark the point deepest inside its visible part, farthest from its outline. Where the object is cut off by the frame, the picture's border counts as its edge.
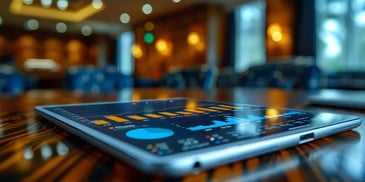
(147, 9)
(62, 4)
(32, 24)
(97, 4)
(28, 2)
(149, 37)
(163, 47)
(86, 30)
(46, 3)
(125, 18)
(137, 51)
(61, 27)
(275, 32)
(193, 38)
(149, 26)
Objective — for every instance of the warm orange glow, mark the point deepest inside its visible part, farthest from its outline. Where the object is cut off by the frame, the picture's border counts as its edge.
(193, 38)
(274, 27)
(277, 36)
(271, 112)
(136, 96)
(76, 51)
(137, 51)
(27, 47)
(163, 47)
(200, 46)
(53, 49)
(191, 105)
(275, 32)
(17, 7)
(149, 26)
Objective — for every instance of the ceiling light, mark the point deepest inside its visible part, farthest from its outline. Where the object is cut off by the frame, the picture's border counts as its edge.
(32, 24)
(137, 51)
(62, 4)
(125, 18)
(86, 30)
(61, 27)
(176, 1)
(97, 4)
(28, 2)
(149, 26)
(79, 11)
(148, 37)
(193, 38)
(46, 3)
(147, 9)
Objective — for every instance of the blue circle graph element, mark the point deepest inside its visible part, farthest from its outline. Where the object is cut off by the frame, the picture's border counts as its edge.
(149, 133)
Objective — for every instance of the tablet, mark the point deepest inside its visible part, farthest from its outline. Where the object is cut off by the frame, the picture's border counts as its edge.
(338, 98)
(179, 136)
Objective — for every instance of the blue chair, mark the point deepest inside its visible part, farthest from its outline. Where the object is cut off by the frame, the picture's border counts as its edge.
(228, 78)
(197, 77)
(287, 75)
(11, 80)
(92, 79)
(118, 79)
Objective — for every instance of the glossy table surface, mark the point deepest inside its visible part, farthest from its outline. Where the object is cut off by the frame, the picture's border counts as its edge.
(32, 149)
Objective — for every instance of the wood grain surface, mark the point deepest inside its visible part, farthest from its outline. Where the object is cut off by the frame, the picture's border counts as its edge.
(32, 149)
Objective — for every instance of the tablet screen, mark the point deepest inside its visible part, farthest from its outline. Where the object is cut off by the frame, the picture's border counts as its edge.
(165, 127)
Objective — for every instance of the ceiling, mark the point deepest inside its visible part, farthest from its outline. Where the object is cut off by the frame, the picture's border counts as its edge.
(108, 19)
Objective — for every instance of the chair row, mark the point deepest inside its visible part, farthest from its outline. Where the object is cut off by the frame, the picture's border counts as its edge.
(93, 79)
(287, 75)
(11, 80)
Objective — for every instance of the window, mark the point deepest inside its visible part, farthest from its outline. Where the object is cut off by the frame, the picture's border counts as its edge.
(249, 35)
(340, 37)
(124, 55)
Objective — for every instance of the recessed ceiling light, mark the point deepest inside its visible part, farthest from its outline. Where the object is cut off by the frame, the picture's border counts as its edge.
(61, 27)
(147, 9)
(125, 18)
(28, 2)
(32, 24)
(46, 3)
(176, 1)
(149, 26)
(62, 4)
(97, 4)
(86, 30)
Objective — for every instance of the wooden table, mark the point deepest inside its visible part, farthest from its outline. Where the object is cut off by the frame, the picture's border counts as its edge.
(31, 149)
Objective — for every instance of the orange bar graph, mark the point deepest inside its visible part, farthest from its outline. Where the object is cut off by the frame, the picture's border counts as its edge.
(194, 111)
(100, 122)
(184, 113)
(116, 119)
(137, 117)
(206, 109)
(226, 106)
(220, 108)
(168, 113)
(153, 115)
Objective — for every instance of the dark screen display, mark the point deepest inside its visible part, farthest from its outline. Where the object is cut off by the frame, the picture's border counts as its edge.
(164, 127)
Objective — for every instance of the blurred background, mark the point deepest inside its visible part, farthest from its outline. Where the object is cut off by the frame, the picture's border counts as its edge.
(105, 45)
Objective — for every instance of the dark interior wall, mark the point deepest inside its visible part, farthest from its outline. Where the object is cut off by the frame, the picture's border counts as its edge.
(304, 28)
